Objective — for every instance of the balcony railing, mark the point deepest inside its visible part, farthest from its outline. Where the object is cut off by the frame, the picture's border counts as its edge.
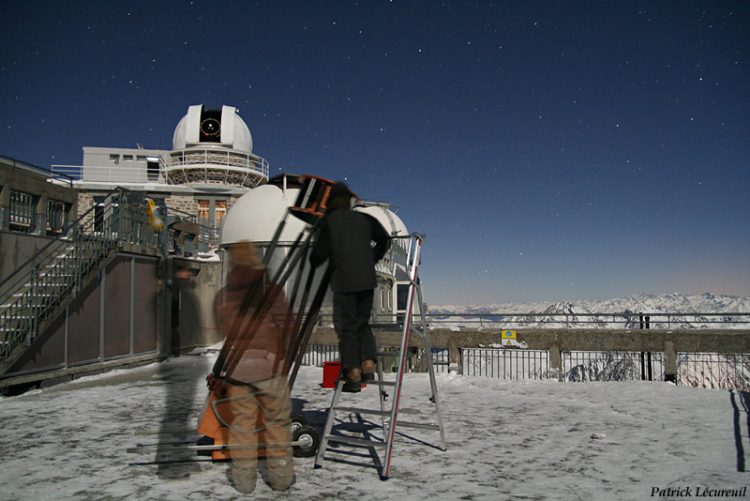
(111, 173)
(215, 167)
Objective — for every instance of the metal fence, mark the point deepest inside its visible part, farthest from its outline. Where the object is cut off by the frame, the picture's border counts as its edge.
(440, 360)
(622, 320)
(714, 370)
(516, 365)
(700, 370)
(317, 354)
(612, 366)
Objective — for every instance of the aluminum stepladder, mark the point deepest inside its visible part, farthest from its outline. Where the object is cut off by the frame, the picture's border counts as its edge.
(412, 252)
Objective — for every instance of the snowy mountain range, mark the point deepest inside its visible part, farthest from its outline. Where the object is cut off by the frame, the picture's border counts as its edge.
(648, 303)
(673, 310)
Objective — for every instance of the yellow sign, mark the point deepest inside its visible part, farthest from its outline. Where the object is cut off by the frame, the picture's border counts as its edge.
(509, 334)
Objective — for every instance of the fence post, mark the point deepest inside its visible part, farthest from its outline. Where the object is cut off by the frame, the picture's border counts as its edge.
(555, 360)
(670, 362)
(454, 355)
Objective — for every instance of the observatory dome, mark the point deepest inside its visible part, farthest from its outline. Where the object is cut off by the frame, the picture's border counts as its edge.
(387, 218)
(256, 215)
(206, 127)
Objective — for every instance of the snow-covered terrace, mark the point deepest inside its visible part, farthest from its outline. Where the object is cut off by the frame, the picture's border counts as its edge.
(506, 440)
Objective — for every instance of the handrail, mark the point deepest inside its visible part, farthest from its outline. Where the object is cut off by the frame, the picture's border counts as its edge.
(136, 173)
(208, 236)
(621, 320)
(35, 257)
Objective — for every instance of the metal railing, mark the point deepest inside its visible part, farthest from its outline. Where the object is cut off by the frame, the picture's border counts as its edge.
(701, 370)
(207, 238)
(624, 320)
(514, 365)
(627, 321)
(714, 370)
(58, 270)
(136, 173)
(316, 355)
(612, 366)
(215, 166)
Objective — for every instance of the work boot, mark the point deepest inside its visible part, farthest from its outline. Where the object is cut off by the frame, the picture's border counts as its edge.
(368, 371)
(353, 381)
(242, 479)
(280, 473)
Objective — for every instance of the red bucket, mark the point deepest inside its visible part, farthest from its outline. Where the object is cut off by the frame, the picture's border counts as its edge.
(331, 373)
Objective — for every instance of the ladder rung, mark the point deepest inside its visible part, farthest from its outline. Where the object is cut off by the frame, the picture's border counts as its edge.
(362, 411)
(388, 353)
(386, 326)
(424, 426)
(354, 441)
(384, 383)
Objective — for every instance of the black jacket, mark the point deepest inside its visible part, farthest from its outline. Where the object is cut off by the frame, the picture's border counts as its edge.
(344, 237)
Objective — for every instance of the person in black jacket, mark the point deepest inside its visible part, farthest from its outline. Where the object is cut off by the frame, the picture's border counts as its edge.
(346, 238)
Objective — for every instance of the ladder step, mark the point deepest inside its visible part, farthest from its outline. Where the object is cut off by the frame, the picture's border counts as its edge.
(423, 426)
(362, 442)
(386, 326)
(362, 411)
(388, 353)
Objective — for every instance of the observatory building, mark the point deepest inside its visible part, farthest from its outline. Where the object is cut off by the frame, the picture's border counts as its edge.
(120, 258)
(210, 165)
(212, 177)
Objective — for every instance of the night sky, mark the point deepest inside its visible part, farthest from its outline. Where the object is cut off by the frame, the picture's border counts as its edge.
(548, 150)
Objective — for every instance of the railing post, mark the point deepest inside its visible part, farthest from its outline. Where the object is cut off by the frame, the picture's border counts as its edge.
(555, 361)
(34, 291)
(454, 355)
(670, 362)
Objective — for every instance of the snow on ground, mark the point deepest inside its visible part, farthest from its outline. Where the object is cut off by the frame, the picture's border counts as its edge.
(533, 440)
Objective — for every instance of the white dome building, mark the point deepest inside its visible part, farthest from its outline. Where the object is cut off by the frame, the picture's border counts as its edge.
(257, 214)
(255, 217)
(211, 147)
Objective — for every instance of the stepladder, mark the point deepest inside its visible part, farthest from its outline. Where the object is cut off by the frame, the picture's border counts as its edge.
(375, 411)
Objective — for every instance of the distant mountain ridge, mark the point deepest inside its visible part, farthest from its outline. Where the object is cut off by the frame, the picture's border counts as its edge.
(640, 303)
(664, 311)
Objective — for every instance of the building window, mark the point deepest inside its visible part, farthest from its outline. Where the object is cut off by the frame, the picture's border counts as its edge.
(141, 158)
(203, 209)
(127, 158)
(21, 211)
(402, 296)
(106, 214)
(221, 211)
(211, 212)
(152, 170)
(114, 158)
(56, 217)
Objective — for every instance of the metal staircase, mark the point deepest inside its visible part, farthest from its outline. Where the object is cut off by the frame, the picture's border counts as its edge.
(35, 292)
